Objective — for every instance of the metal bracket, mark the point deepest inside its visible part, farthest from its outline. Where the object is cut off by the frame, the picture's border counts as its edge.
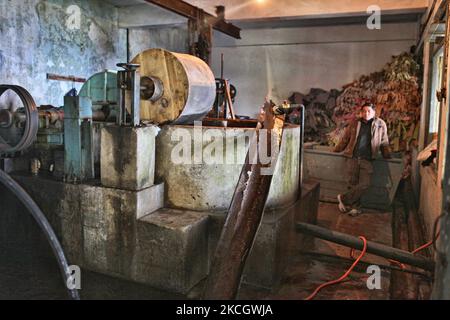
(129, 84)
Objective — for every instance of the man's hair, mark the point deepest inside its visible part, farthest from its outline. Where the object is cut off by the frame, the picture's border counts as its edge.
(370, 105)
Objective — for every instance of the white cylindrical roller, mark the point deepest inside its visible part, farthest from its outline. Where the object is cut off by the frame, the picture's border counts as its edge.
(177, 88)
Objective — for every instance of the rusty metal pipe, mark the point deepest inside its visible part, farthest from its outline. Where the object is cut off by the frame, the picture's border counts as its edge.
(372, 247)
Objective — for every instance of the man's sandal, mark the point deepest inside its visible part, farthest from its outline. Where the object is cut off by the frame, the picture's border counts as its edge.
(354, 212)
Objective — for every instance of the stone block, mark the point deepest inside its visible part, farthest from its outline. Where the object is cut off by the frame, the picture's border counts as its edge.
(96, 225)
(172, 249)
(309, 204)
(210, 187)
(128, 157)
(113, 232)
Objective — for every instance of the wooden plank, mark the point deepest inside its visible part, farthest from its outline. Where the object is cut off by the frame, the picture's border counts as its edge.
(244, 216)
(189, 11)
(229, 100)
(403, 286)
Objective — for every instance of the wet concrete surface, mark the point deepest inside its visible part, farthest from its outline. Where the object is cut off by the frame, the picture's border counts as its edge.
(27, 275)
(29, 271)
(319, 261)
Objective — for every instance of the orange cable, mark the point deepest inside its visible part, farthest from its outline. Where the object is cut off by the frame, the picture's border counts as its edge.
(426, 245)
(361, 255)
(345, 275)
(399, 264)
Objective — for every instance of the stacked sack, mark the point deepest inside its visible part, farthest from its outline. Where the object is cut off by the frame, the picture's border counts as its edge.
(319, 108)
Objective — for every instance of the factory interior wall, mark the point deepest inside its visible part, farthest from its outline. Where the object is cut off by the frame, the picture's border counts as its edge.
(170, 38)
(278, 62)
(43, 36)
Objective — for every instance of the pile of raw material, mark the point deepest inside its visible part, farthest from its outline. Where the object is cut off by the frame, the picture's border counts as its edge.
(319, 108)
(395, 92)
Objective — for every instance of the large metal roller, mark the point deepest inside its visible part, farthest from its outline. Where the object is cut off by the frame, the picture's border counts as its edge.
(176, 88)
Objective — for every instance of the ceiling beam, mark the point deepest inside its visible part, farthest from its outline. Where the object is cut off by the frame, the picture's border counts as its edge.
(191, 12)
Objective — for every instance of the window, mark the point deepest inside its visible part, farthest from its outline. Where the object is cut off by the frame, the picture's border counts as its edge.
(434, 118)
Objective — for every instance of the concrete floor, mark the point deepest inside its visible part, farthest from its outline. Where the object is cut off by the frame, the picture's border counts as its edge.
(31, 274)
(308, 268)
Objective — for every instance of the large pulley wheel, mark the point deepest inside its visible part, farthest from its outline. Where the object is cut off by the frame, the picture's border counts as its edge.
(19, 119)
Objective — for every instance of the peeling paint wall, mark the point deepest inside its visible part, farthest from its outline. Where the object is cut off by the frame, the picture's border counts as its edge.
(43, 36)
(170, 38)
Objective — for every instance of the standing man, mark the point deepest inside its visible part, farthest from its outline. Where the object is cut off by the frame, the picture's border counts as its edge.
(361, 143)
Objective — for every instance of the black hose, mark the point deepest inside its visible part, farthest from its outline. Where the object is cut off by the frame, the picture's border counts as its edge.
(45, 226)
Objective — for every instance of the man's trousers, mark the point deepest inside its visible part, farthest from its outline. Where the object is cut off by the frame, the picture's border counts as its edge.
(360, 173)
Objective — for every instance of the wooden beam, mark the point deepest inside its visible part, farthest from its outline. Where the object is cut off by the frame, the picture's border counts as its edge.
(442, 273)
(245, 213)
(191, 12)
(403, 286)
(444, 108)
(433, 17)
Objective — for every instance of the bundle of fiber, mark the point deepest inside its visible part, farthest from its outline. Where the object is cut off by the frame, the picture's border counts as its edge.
(395, 92)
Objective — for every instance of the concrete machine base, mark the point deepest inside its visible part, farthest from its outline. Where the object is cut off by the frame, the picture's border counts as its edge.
(140, 235)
